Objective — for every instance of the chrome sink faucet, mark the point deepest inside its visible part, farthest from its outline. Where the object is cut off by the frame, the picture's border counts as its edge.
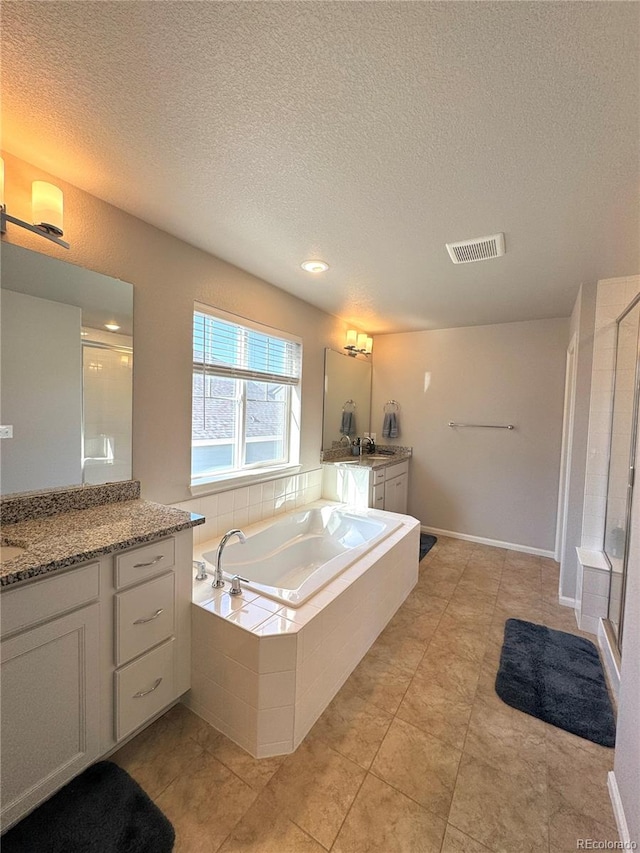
(218, 580)
(362, 441)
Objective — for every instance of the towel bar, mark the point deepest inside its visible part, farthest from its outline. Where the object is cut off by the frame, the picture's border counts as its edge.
(483, 426)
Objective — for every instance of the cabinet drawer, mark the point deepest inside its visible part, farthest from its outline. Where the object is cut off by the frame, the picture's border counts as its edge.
(144, 617)
(142, 563)
(397, 469)
(48, 597)
(143, 688)
(378, 476)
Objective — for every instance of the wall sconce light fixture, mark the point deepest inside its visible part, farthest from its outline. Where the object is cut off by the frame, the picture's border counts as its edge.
(46, 211)
(358, 343)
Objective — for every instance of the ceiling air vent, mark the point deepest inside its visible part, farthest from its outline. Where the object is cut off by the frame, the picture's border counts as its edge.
(481, 249)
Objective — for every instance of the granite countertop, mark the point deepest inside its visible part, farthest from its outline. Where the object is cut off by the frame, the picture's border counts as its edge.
(70, 538)
(369, 461)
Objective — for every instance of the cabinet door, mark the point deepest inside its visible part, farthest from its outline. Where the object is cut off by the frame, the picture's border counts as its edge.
(50, 709)
(377, 496)
(395, 494)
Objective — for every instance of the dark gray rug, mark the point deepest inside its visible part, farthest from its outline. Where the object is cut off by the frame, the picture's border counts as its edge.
(426, 544)
(557, 677)
(101, 811)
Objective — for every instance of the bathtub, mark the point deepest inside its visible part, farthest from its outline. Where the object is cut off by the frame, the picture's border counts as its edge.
(291, 560)
(263, 671)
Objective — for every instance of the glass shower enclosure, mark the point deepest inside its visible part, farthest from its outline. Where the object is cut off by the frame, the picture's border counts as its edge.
(622, 462)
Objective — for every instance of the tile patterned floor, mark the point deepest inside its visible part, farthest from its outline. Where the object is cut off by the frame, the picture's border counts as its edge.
(416, 754)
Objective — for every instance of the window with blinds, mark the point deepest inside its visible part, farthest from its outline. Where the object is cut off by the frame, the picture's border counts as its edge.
(244, 379)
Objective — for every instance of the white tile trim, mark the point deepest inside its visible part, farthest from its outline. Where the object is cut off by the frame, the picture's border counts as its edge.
(618, 810)
(592, 559)
(495, 543)
(588, 623)
(565, 601)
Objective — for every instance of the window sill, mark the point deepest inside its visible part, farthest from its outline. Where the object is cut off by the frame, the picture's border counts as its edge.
(236, 481)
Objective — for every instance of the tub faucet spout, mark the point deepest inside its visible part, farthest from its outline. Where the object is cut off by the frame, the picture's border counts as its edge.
(218, 580)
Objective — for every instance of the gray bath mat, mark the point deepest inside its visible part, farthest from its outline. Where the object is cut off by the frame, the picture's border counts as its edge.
(557, 677)
(426, 544)
(101, 811)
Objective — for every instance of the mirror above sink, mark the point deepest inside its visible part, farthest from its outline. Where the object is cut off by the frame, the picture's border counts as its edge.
(66, 393)
(347, 384)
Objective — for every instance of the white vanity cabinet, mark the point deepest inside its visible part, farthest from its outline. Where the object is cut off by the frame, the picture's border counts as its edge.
(50, 686)
(384, 487)
(396, 488)
(89, 656)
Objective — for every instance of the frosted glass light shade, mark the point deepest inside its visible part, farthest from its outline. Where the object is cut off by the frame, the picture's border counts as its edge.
(369, 346)
(46, 206)
(352, 337)
(1, 182)
(362, 341)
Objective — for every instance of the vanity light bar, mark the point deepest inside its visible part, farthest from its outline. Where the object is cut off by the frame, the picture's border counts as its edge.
(358, 342)
(46, 206)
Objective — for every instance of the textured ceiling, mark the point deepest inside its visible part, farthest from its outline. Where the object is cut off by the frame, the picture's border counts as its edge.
(366, 134)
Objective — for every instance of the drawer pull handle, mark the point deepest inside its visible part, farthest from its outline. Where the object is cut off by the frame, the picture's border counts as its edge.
(150, 563)
(142, 693)
(150, 619)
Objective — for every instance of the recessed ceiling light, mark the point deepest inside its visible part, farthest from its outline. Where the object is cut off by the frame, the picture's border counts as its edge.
(113, 327)
(314, 266)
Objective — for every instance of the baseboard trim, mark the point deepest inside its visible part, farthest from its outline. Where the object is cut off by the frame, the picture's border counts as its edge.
(494, 543)
(618, 809)
(565, 601)
(609, 657)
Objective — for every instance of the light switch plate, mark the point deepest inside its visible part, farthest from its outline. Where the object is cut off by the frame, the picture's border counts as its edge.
(6, 432)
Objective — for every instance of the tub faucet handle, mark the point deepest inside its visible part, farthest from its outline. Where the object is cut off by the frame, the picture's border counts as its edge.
(201, 570)
(236, 589)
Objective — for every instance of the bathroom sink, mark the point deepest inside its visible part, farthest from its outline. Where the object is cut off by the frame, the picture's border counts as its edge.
(8, 552)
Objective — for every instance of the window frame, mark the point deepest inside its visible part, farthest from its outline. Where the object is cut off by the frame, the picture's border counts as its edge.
(258, 471)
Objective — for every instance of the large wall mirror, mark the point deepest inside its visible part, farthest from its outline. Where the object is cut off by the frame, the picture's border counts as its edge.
(67, 360)
(347, 397)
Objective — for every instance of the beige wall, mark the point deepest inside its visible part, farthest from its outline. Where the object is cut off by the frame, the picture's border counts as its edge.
(496, 484)
(168, 275)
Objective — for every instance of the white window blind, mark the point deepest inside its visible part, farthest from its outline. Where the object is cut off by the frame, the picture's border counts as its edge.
(225, 348)
(245, 397)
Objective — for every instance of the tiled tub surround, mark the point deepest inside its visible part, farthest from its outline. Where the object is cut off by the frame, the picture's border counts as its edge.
(70, 538)
(250, 504)
(262, 673)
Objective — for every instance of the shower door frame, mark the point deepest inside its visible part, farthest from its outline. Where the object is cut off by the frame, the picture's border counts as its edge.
(618, 635)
